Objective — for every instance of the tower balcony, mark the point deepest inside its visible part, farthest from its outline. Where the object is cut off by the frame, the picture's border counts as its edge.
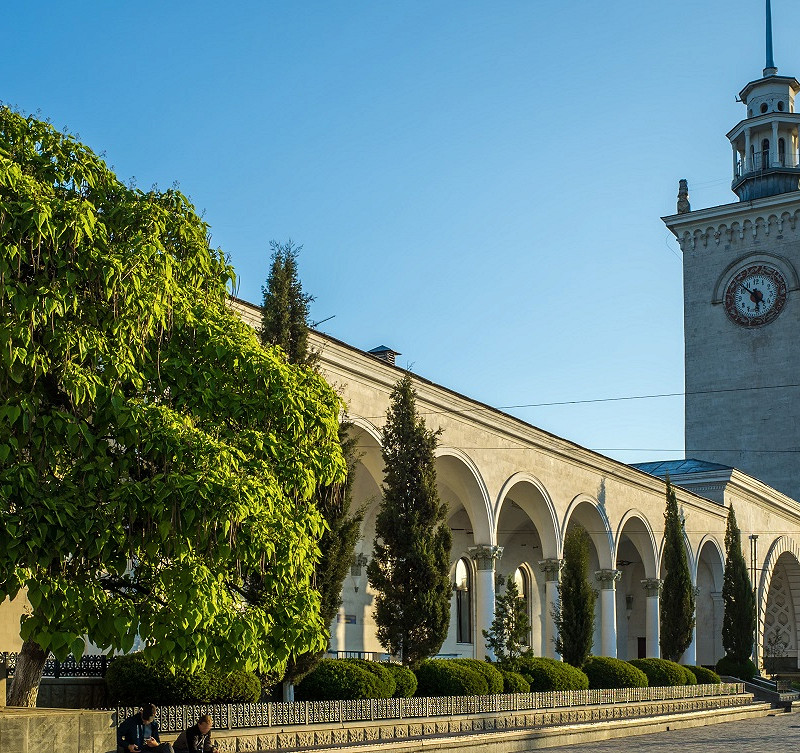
(763, 176)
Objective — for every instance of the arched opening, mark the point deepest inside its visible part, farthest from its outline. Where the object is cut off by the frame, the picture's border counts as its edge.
(782, 152)
(463, 596)
(709, 608)
(526, 529)
(522, 579)
(636, 561)
(764, 154)
(779, 647)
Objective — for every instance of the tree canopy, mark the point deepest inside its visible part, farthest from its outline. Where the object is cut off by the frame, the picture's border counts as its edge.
(739, 619)
(508, 638)
(152, 452)
(410, 565)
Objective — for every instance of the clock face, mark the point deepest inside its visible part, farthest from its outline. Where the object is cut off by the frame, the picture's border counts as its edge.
(755, 296)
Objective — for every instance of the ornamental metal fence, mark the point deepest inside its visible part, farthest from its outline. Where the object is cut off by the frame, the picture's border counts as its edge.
(94, 665)
(233, 716)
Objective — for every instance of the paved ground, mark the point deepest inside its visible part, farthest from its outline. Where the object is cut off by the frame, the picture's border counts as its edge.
(771, 734)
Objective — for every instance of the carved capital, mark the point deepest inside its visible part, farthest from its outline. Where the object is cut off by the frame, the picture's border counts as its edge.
(607, 578)
(551, 568)
(484, 556)
(652, 586)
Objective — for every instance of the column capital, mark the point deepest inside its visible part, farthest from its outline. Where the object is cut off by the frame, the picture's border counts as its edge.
(551, 568)
(607, 578)
(485, 556)
(652, 586)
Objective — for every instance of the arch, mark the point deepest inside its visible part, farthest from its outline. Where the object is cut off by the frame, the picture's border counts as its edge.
(463, 580)
(781, 262)
(780, 546)
(708, 579)
(543, 515)
(710, 540)
(690, 556)
(602, 538)
(462, 479)
(649, 554)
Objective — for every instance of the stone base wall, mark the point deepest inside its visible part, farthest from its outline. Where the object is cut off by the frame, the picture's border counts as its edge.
(48, 731)
(319, 735)
(71, 693)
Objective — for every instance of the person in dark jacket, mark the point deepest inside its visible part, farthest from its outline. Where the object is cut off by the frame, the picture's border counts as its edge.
(140, 733)
(197, 739)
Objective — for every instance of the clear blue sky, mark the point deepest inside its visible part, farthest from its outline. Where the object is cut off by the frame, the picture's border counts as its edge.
(477, 185)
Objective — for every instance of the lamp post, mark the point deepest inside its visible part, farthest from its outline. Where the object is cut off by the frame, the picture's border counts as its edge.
(753, 569)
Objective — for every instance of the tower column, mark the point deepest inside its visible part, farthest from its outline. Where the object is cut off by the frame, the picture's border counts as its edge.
(552, 572)
(735, 160)
(774, 147)
(652, 588)
(608, 610)
(485, 558)
(747, 151)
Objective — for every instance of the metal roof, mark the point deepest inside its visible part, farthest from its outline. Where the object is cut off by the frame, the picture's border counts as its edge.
(679, 467)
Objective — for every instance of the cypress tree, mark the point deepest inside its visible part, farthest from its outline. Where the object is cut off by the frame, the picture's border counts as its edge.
(574, 616)
(284, 314)
(739, 620)
(508, 635)
(411, 555)
(677, 595)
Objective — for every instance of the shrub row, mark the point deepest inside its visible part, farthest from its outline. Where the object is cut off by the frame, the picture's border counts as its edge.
(133, 681)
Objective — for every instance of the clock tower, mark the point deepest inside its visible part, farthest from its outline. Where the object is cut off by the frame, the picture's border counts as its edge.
(742, 295)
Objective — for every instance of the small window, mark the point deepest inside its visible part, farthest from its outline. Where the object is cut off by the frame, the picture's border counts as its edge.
(780, 105)
(523, 588)
(463, 602)
(763, 107)
(764, 153)
(782, 152)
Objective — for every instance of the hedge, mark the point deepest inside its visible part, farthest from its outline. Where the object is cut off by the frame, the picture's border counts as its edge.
(442, 677)
(744, 670)
(514, 682)
(704, 676)
(607, 672)
(662, 672)
(338, 680)
(548, 674)
(404, 679)
(494, 680)
(385, 677)
(132, 680)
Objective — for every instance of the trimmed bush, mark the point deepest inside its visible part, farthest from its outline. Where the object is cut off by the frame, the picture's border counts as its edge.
(607, 672)
(385, 677)
(404, 679)
(238, 687)
(663, 673)
(441, 677)
(337, 680)
(131, 680)
(514, 682)
(494, 680)
(744, 670)
(704, 676)
(548, 674)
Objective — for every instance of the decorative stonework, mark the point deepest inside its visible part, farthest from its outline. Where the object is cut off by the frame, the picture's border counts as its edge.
(739, 230)
(551, 568)
(484, 556)
(607, 578)
(652, 586)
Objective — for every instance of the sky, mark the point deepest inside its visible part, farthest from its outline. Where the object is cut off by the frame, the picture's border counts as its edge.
(477, 185)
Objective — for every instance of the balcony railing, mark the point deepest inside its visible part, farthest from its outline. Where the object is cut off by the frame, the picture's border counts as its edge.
(761, 162)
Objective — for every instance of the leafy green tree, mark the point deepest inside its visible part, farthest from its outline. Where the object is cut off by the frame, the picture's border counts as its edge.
(677, 595)
(739, 620)
(507, 637)
(411, 554)
(284, 315)
(152, 452)
(574, 614)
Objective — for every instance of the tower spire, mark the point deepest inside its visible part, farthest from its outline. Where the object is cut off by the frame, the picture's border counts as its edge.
(769, 69)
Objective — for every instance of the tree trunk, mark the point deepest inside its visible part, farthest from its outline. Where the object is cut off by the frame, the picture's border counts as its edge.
(27, 675)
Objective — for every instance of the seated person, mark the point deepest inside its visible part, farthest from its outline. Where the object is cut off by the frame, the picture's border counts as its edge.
(197, 739)
(140, 733)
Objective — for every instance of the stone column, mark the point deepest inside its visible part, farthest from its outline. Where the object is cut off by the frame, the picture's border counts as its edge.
(690, 655)
(485, 558)
(652, 588)
(774, 145)
(552, 571)
(735, 160)
(608, 610)
(748, 164)
(719, 611)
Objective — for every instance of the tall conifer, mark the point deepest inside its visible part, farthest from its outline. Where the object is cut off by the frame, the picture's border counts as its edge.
(411, 556)
(574, 615)
(508, 636)
(739, 620)
(677, 595)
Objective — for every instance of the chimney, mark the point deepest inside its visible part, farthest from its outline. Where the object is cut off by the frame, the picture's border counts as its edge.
(382, 353)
